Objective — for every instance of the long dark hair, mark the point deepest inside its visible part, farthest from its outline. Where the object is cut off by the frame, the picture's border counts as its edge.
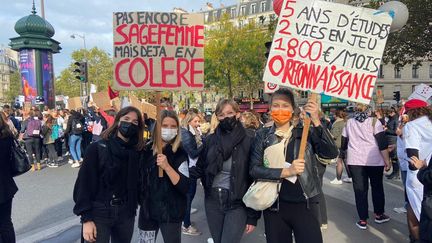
(5, 131)
(112, 130)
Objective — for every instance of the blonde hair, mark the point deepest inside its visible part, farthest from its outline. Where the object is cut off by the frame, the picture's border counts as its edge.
(177, 141)
(188, 118)
(214, 122)
(250, 120)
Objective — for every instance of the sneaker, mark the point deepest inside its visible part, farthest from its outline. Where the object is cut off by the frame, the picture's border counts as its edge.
(210, 240)
(76, 165)
(324, 226)
(52, 165)
(347, 180)
(381, 219)
(190, 231)
(362, 224)
(70, 161)
(60, 159)
(400, 210)
(67, 153)
(336, 182)
(193, 210)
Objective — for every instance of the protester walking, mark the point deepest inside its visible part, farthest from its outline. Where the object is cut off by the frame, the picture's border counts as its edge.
(50, 132)
(8, 188)
(106, 190)
(367, 156)
(163, 199)
(296, 210)
(192, 143)
(224, 171)
(75, 128)
(31, 133)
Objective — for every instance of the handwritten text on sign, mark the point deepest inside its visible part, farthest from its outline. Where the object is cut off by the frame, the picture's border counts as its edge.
(161, 51)
(328, 47)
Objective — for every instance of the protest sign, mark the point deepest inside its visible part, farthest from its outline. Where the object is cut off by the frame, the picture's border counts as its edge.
(328, 48)
(150, 110)
(270, 88)
(74, 103)
(158, 51)
(421, 92)
(102, 100)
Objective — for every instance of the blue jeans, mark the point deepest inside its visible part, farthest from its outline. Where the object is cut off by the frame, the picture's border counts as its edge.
(189, 197)
(75, 146)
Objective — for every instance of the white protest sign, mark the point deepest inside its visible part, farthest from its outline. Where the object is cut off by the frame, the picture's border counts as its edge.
(328, 48)
(421, 92)
(270, 88)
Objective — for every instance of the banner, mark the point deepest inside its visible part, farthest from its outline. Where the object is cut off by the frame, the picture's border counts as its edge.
(28, 74)
(158, 51)
(48, 78)
(270, 88)
(328, 48)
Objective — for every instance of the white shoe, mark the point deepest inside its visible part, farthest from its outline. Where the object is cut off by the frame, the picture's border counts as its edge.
(336, 182)
(210, 240)
(193, 210)
(76, 165)
(67, 153)
(347, 180)
(70, 161)
(400, 210)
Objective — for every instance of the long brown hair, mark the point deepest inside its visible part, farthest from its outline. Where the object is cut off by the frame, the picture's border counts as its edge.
(419, 112)
(177, 141)
(5, 131)
(112, 130)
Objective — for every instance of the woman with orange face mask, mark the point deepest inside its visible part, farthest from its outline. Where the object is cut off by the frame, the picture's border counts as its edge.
(296, 209)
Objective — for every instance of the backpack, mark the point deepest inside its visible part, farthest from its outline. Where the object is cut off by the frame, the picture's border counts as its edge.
(34, 128)
(77, 127)
(55, 132)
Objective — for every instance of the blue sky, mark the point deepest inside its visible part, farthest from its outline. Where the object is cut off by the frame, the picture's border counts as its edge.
(93, 18)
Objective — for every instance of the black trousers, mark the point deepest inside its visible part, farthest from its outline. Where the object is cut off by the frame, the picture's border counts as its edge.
(59, 147)
(322, 200)
(361, 175)
(171, 232)
(293, 218)
(113, 222)
(7, 232)
(33, 146)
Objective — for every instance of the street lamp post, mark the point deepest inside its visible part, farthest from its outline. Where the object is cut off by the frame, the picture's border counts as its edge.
(83, 85)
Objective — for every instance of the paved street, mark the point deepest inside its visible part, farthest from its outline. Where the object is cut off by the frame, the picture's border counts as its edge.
(42, 212)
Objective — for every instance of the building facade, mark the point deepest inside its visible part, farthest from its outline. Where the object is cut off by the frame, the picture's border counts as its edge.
(8, 66)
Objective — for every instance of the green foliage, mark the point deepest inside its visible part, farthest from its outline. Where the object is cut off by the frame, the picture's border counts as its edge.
(15, 87)
(100, 72)
(234, 57)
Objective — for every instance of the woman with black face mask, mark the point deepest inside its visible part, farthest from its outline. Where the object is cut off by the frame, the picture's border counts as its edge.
(224, 171)
(106, 190)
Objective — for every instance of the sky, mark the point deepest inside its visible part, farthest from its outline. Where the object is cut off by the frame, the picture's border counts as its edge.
(91, 18)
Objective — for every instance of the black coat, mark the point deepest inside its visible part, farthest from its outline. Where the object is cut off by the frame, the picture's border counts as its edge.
(425, 177)
(320, 142)
(160, 200)
(8, 188)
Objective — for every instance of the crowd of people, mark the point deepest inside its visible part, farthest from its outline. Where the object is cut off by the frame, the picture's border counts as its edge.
(124, 165)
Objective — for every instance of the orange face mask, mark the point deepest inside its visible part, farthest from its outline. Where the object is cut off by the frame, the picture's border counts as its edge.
(281, 116)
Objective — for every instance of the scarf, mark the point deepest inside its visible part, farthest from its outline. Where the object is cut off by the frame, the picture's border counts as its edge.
(223, 147)
(197, 135)
(361, 116)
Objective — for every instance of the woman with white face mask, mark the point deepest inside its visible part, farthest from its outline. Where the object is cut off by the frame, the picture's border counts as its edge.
(163, 199)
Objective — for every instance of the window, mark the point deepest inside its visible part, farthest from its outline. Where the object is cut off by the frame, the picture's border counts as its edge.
(243, 10)
(233, 12)
(397, 72)
(253, 9)
(380, 72)
(413, 88)
(263, 7)
(415, 68)
(206, 15)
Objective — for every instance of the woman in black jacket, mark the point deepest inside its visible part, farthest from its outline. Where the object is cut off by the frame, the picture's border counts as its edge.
(163, 199)
(224, 171)
(8, 187)
(106, 190)
(296, 210)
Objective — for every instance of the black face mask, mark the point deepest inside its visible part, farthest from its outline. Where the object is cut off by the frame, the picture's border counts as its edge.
(128, 129)
(228, 123)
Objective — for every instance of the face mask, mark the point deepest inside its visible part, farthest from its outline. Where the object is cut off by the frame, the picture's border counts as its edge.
(281, 116)
(168, 134)
(228, 123)
(128, 129)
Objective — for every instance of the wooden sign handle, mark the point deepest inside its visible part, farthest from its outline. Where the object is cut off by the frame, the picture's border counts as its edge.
(158, 138)
(305, 133)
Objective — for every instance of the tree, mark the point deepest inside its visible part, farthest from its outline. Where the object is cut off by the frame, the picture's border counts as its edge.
(234, 56)
(100, 72)
(15, 88)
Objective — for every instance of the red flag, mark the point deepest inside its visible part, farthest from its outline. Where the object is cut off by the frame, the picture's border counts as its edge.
(112, 94)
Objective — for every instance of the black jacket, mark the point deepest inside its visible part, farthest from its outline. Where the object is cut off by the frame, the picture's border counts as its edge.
(92, 183)
(189, 144)
(240, 179)
(425, 177)
(8, 188)
(320, 143)
(160, 200)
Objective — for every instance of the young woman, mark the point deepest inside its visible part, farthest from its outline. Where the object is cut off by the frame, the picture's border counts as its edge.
(163, 199)
(48, 140)
(367, 156)
(224, 171)
(30, 132)
(418, 146)
(8, 187)
(192, 143)
(75, 128)
(106, 190)
(297, 208)
(336, 131)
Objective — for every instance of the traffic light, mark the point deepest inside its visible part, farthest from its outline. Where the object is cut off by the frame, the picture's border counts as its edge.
(81, 71)
(268, 47)
(396, 96)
